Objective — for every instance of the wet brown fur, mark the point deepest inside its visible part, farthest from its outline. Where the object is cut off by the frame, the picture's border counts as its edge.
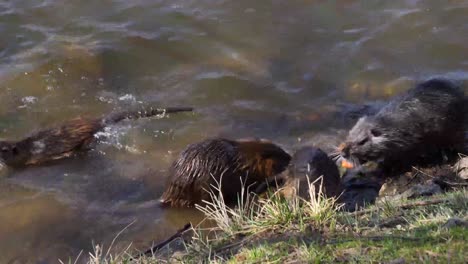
(233, 163)
(65, 140)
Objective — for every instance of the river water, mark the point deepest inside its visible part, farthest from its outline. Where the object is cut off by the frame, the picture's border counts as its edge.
(270, 69)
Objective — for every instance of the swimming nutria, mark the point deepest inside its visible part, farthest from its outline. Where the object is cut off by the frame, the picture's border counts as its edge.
(62, 141)
(414, 127)
(307, 165)
(201, 165)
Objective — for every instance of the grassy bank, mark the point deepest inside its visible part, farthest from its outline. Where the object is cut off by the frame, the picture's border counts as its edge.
(276, 230)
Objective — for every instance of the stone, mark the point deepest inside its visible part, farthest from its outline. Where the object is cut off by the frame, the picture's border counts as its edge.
(455, 221)
(461, 168)
(397, 261)
(419, 190)
(360, 189)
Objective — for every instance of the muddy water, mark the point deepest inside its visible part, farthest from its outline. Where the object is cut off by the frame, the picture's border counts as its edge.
(272, 69)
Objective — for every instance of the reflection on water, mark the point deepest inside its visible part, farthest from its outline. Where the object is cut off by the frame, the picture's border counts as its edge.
(273, 69)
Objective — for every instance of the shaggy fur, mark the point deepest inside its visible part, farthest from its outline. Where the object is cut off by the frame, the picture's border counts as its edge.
(412, 129)
(232, 163)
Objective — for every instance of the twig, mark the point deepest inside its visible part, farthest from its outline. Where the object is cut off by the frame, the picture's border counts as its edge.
(371, 238)
(435, 178)
(234, 246)
(423, 173)
(404, 206)
(451, 184)
(117, 236)
(240, 243)
(157, 247)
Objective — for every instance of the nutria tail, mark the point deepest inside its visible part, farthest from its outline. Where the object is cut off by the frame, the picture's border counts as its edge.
(143, 112)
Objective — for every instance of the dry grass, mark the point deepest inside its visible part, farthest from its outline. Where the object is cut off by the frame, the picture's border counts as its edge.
(375, 235)
(253, 215)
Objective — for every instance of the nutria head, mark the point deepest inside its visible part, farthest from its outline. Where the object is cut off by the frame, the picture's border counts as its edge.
(365, 142)
(8, 152)
(262, 159)
(307, 165)
(313, 163)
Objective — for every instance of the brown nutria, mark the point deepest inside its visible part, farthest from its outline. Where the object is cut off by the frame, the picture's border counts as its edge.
(414, 128)
(307, 165)
(63, 141)
(232, 163)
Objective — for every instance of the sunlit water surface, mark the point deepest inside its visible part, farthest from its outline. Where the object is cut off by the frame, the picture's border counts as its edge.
(281, 70)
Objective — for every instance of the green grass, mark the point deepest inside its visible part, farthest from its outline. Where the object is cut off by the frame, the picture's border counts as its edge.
(279, 230)
(427, 244)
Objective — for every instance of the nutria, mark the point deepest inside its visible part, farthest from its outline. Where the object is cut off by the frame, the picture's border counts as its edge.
(307, 165)
(233, 163)
(313, 163)
(412, 129)
(361, 187)
(63, 141)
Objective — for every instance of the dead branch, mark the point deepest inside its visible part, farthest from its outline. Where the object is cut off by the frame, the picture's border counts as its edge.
(162, 244)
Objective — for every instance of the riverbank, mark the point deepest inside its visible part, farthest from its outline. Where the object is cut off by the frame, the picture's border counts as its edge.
(432, 229)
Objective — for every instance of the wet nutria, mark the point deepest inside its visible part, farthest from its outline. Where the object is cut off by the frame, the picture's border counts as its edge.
(313, 163)
(307, 165)
(361, 187)
(413, 128)
(233, 163)
(63, 141)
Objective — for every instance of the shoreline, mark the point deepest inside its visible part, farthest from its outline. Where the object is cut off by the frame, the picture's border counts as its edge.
(279, 230)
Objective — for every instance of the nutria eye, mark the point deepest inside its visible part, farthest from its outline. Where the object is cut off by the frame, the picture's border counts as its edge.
(362, 142)
(375, 133)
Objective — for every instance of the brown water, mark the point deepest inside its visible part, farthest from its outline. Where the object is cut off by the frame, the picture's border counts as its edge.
(271, 69)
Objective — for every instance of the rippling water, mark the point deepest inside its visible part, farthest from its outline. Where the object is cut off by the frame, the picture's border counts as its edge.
(271, 69)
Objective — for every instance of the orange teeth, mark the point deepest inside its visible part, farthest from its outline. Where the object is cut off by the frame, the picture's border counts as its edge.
(346, 164)
(341, 146)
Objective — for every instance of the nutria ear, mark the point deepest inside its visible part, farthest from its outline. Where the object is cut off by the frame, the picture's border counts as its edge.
(375, 132)
(274, 155)
(268, 154)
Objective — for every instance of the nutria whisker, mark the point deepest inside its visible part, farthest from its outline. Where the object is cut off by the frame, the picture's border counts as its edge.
(336, 157)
